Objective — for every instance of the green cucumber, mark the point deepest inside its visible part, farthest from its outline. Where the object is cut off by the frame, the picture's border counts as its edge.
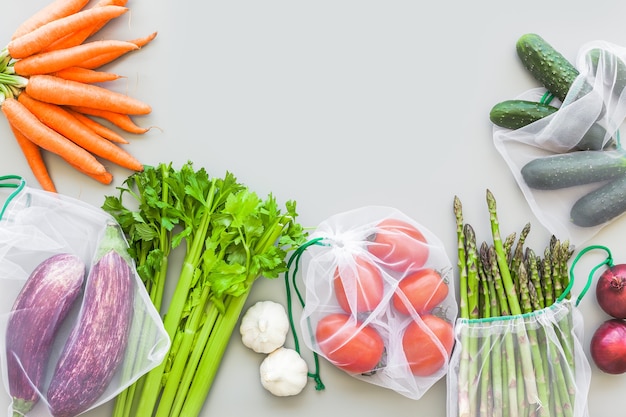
(546, 64)
(573, 168)
(620, 69)
(514, 114)
(600, 205)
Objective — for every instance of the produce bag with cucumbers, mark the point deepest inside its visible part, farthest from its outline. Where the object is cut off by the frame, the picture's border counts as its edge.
(77, 324)
(561, 140)
(379, 299)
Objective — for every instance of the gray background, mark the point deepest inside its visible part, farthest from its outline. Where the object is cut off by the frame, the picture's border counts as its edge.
(337, 105)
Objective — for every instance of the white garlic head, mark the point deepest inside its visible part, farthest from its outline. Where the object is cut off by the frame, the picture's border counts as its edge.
(264, 326)
(284, 372)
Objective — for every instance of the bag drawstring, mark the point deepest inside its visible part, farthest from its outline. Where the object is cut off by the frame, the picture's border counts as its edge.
(608, 261)
(296, 257)
(18, 187)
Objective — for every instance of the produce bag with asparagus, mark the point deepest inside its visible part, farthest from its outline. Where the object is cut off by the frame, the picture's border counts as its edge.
(379, 299)
(561, 140)
(77, 324)
(518, 345)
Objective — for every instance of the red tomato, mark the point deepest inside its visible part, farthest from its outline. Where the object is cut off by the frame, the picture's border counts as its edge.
(359, 286)
(422, 352)
(347, 345)
(399, 245)
(424, 289)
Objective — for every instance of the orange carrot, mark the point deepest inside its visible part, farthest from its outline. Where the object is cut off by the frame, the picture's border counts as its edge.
(143, 41)
(35, 41)
(100, 129)
(35, 130)
(105, 178)
(123, 121)
(97, 62)
(51, 61)
(78, 37)
(85, 75)
(56, 90)
(53, 11)
(35, 160)
(58, 119)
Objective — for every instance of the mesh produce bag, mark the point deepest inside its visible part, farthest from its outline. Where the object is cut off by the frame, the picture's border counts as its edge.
(586, 125)
(379, 300)
(531, 364)
(36, 227)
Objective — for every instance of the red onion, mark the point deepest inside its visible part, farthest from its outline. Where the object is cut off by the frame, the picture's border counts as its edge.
(608, 346)
(611, 291)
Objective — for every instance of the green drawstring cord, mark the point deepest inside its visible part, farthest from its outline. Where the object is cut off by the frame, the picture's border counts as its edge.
(546, 98)
(296, 257)
(608, 261)
(18, 187)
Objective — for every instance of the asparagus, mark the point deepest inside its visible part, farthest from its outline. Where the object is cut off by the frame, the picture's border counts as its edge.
(506, 279)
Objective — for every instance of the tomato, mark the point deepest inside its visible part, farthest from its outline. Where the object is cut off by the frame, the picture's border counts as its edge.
(347, 345)
(424, 290)
(399, 245)
(359, 287)
(423, 354)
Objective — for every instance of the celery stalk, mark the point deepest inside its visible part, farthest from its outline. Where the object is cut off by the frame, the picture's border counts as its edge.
(232, 238)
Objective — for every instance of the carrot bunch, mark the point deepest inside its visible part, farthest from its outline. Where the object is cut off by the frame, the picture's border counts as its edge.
(53, 94)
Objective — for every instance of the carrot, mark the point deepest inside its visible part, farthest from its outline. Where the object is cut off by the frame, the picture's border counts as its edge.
(72, 93)
(51, 61)
(53, 11)
(143, 41)
(105, 178)
(100, 129)
(78, 37)
(35, 41)
(85, 75)
(97, 62)
(123, 121)
(35, 160)
(35, 130)
(67, 125)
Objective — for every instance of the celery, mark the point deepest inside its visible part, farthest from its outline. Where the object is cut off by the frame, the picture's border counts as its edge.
(232, 237)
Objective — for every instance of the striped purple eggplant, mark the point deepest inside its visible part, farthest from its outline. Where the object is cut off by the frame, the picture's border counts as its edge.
(41, 306)
(97, 344)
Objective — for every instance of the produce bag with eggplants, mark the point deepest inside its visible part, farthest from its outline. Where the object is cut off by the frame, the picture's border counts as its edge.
(379, 299)
(570, 165)
(77, 324)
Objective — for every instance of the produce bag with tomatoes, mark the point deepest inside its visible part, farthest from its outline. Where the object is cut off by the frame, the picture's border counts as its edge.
(77, 323)
(564, 149)
(379, 299)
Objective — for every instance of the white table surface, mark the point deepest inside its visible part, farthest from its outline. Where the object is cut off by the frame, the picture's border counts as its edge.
(337, 105)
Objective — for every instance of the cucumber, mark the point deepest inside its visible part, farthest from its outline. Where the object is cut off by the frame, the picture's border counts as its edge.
(573, 168)
(546, 64)
(620, 69)
(513, 114)
(601, 205)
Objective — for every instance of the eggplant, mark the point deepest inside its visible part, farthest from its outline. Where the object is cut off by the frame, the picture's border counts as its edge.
(37, 313)
(96, 345)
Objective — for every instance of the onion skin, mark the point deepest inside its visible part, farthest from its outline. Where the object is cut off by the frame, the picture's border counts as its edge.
(608, 347)
(611, 291)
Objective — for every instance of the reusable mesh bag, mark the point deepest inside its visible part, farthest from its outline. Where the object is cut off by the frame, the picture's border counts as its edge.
(358, 313)
(529, 364)
(36, 225)
(595, 106)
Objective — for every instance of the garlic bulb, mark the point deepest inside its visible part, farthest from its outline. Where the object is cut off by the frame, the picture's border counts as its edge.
(284, 372)
(264, 326)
